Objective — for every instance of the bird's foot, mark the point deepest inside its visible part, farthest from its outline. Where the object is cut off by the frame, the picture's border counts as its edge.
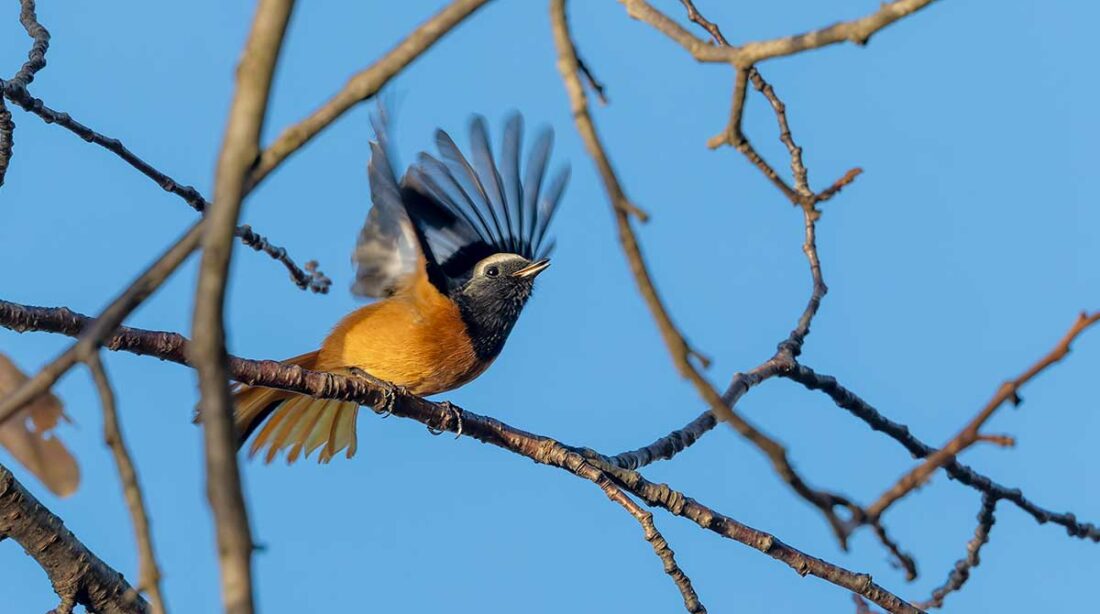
(390, 392)
(456, 412)
(390, 395)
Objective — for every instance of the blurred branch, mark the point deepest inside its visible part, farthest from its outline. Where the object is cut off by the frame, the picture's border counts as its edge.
(148, 571)
(386, 398)
(77, 575)
(857, 31)
(360, 87)
(969, 435)
(961, 573)
(7, 131)
(239, 151)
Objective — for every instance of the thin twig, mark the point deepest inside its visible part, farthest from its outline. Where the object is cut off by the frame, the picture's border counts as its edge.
(668, 446)
(857, 31)
(735, 137)
(961, 572)
(239, 151)
(708, 25)
(969, 435)
(361, 86)
(801, 182)
(175, 348)
(309, 278)
(36, 61)
(652, 535)
(839, 184)
(148, 570)
(36, 57)
(595, 84)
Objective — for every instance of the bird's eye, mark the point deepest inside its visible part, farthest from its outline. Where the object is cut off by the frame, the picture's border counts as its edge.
(492, 271)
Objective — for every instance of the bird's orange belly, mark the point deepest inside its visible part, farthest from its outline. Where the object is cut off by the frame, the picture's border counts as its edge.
(389, 340)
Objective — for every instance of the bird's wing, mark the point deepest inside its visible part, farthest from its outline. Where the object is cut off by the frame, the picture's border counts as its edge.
(387, 251)
(453, 212)
(464, 212)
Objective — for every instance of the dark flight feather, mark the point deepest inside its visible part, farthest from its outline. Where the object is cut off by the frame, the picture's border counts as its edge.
(386, 250)
(455, 212)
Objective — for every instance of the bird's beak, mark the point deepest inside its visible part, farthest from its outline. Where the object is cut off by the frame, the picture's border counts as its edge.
(533, 269)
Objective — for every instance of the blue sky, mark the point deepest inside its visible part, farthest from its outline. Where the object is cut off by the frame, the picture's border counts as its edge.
(959, 257)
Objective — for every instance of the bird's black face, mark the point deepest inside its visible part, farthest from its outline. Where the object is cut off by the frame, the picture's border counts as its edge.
(492, 299)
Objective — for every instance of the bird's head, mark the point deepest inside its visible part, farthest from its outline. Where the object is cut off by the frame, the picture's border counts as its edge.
(495, 293)
(500, 285)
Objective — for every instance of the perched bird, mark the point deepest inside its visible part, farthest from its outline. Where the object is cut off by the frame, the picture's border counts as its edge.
(453, 251)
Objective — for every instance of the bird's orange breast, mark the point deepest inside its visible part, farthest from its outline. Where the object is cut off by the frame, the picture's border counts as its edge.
(416, 339)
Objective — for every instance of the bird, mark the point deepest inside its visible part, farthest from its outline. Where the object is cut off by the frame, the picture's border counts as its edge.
(452, 251)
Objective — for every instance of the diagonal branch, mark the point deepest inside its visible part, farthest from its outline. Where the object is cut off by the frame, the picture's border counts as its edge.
(857, 31)
(848, 400)
(78, 576)
(969, 435)
(384, 397)
(307, 278)
(361, 86)
(148, 571)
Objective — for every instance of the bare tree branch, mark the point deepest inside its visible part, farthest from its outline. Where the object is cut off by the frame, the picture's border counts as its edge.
(148, 571)
(239, 151)
(846, 399)
(961, 572)
(36, 61)
(652, 535)
(969, 435)
(36, 57)
(78, 576)
(384, 397)
(7, 132)
(308, 278)
(361, 86)
(857, 31)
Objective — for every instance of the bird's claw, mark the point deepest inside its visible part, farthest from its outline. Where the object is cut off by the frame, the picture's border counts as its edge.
(390, 396)
(390, 392)
(456, 412)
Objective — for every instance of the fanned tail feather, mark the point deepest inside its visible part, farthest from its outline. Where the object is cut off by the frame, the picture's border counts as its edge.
(293, 422)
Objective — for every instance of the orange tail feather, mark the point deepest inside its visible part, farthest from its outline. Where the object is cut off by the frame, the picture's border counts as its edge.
(294, 421)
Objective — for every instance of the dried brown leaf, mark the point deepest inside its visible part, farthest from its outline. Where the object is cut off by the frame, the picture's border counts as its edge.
(29, 436)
